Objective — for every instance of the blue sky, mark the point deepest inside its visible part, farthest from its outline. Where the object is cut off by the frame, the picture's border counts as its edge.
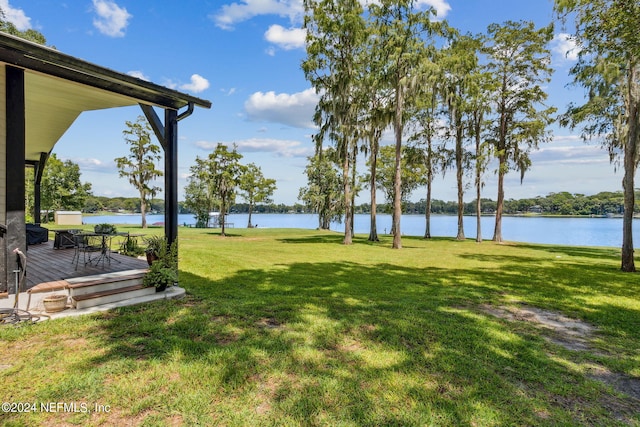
(245, 56)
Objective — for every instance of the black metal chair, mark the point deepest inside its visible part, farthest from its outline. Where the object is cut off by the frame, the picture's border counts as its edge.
(85, 244)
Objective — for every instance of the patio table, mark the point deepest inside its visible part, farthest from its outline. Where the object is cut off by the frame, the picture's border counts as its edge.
(104, 247)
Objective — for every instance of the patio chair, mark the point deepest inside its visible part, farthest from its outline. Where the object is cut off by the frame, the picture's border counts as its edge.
(85, 245)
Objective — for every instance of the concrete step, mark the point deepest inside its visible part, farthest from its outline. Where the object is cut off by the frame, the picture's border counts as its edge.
(104, 282)
(111, 295)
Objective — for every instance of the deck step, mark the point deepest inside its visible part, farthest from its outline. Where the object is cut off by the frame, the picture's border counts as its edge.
(100, 283)
(56, 285)
(111, 295)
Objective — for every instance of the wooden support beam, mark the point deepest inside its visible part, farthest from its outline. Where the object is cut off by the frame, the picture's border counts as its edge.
(16, 137)
(39, 167)
(155, 122)
(171, 175)
(38, 170)
(167, 134)
(15, 237)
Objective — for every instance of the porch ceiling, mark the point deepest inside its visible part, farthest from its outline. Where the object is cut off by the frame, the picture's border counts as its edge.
(53, 104)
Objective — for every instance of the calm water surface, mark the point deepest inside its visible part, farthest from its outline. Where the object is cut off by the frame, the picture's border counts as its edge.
(561, 231)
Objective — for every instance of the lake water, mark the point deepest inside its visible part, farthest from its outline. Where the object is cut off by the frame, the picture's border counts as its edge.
(561, 231)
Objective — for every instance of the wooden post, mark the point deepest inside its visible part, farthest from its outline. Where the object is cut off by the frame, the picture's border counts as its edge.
(15, 163)
(171, 175)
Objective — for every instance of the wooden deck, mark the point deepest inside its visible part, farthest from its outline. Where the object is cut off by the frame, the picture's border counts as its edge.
(46, 264)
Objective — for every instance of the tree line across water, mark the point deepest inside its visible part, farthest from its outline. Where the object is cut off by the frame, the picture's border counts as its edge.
(561, 203)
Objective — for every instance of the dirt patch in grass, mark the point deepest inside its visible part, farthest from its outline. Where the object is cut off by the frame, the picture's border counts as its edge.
(220, 319)
(226, 338)
(569, 333)
(576, 335)
(368, 328)
(617, 381)
(189, 301)
(269, 323)
(74, 343)
(350, 346)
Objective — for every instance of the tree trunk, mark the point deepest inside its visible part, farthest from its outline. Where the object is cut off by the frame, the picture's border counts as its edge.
(353, 187)
(373, 228)
(397, 180)
(347, 198)
(479, 160)
(326, 222)
(427, 214)
(628, 264)
(497, 231)
(501, 151)
(630, 165)
(324, 214)
(143, 210)
(478, 217)
(460, 235)
(250, 209)
(459, 174)
(223, 211)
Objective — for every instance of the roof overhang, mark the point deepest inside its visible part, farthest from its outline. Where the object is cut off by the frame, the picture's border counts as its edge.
(59, 87)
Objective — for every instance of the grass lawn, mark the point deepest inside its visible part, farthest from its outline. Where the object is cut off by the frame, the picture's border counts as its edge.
(290, 327)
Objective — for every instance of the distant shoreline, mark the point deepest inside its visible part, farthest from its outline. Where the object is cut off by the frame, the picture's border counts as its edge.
(523, 215)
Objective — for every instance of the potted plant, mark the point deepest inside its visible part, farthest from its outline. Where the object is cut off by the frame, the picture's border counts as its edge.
(164, 265)
(104, 228)
(160, 276)
(155, 244)
(130, 247)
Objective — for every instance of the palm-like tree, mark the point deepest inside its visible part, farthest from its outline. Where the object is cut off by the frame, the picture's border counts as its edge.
(335, 39)
(400, 46)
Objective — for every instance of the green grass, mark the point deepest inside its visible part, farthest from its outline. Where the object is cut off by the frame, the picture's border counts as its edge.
(290, 327)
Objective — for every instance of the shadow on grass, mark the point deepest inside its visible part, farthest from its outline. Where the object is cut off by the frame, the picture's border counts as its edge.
(575, 251)
(329, 237)
(338, 238)
(339, 342)
(226, 234)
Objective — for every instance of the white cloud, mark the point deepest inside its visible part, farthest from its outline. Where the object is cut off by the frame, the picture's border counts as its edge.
(243, 10)
(139, 74)
(93, 164)
(197, 85)
(112, 19)
(290, 109)
(16, 16)
(569, 150)
(565, 45)
(291, 38)
(228, 92)
(279, 147)
(441, 7)
(231, 14)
